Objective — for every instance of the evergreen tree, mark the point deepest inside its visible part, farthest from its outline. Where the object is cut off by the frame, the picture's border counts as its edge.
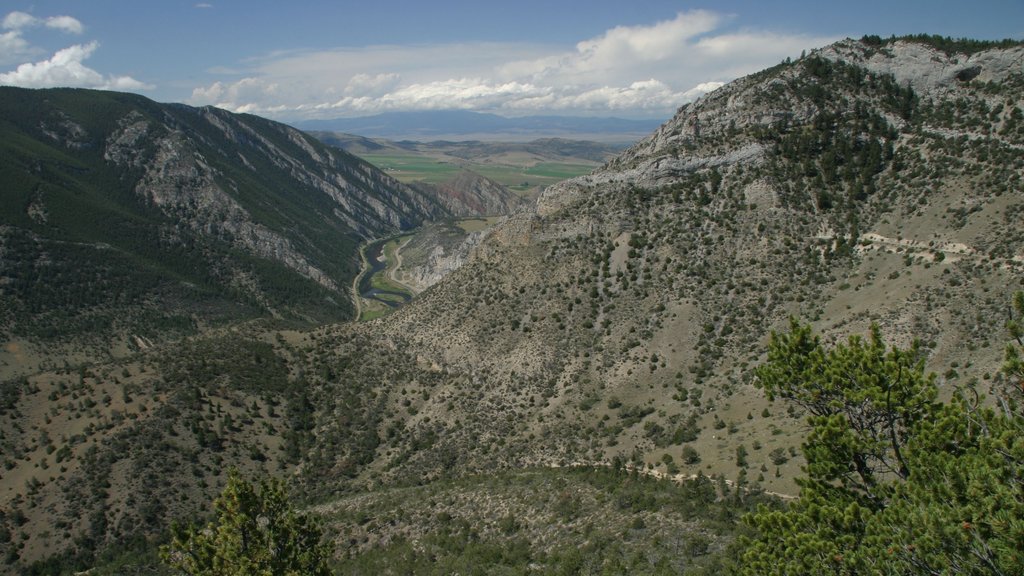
(1014, 367)
(896, 482)
(256, 533)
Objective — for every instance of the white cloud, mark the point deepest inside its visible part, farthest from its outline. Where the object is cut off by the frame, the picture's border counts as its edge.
(65, 23)
(627, 70)
(375, 85)
(623, 46)
(702, 89)
(18, 20)
(14, 48)
(21, 20)
(65, 68)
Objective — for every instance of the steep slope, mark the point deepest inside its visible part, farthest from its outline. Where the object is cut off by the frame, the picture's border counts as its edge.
(617, 322)
(624, 314)
(470, 194)
(126, 217)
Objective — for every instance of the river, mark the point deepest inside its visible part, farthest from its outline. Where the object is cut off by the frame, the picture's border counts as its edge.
(377, 265)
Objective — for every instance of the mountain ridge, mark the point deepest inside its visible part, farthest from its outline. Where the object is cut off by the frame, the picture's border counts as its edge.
(167, 203)
(614, 325)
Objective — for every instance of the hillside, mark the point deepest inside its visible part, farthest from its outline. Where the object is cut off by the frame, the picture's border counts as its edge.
(611, 329)
(635, 300)
(126, 220)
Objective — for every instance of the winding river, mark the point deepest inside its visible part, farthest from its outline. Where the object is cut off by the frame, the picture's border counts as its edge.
(393, 299)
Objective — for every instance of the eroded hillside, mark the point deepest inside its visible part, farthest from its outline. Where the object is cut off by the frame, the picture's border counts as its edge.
(125, 221)
(616, 324)
(635, 301)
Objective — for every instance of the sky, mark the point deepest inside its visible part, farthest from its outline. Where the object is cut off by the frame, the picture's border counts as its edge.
(309, 59)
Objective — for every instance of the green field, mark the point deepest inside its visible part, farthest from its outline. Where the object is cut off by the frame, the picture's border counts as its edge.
(543, 174)
(417, 167)
(414, 167)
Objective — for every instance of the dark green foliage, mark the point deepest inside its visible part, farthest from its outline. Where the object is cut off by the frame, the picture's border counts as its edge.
(256, 532)
(234, 361)
(841, 152)
(862, 401)
(945, 44)
(690, 455)
(897, 482)
(551, 540)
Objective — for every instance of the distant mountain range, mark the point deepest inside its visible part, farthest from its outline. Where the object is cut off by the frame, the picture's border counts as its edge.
(462, 124)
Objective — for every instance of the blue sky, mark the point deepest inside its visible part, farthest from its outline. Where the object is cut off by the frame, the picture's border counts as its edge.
(306, 59)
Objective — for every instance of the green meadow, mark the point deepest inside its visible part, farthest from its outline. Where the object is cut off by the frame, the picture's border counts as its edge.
(514, 173)
(414, 167)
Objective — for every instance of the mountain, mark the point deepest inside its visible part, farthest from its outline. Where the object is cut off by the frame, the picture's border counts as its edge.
(464, 124)
(470, 194)
(126, 218)
(517, 414)
(861, 184)
(620, 318)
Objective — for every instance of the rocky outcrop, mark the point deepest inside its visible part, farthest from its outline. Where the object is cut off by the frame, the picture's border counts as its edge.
(926, 69)
(368, 200)
(469, 194)
(442, 260)
(183, 186)
(257, 216)
(715, 130)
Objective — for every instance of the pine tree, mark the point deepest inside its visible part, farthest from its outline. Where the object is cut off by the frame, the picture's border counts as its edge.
(256, 533)
(896, 482)
(1014, 367)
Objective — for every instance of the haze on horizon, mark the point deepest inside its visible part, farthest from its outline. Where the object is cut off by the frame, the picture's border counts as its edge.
(326, 60)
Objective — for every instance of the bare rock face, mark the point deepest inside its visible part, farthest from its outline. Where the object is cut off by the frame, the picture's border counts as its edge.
(171, 203)
(470, 194)
(179, 182)
(726, 115)
(928, 70)
(60, 128)
(441, 261)
(368, 201)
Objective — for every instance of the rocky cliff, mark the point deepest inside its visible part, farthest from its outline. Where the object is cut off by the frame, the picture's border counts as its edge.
(470, 194)
(120, 214)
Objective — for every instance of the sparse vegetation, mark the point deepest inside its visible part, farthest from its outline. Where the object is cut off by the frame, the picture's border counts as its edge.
(533, 399)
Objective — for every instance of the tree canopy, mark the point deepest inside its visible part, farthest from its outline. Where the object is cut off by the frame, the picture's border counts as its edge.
(256, 533)
(896, 481)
